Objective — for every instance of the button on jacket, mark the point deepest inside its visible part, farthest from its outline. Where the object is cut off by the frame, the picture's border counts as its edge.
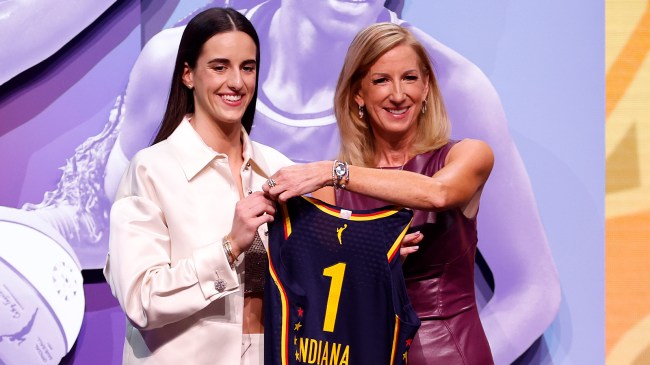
(166, 264)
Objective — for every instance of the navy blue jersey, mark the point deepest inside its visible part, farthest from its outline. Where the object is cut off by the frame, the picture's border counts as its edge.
(336, 294)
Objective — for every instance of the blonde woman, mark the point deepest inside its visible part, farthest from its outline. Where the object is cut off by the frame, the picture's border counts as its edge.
(396, 149)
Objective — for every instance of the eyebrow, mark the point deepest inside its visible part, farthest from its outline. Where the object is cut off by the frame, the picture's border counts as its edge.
(226, 60)
(374, 74)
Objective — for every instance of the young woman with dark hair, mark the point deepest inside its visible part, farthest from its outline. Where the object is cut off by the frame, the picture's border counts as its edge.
(186, 260)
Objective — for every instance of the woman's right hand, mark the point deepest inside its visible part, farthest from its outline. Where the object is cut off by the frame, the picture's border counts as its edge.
(250, 213)
(298, 179)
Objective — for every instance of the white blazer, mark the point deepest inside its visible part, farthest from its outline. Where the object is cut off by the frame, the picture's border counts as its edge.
(166, 263)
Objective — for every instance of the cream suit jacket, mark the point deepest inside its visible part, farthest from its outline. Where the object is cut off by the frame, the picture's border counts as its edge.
(166, 264)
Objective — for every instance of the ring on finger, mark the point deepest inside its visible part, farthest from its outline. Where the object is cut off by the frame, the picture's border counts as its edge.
(271, 183)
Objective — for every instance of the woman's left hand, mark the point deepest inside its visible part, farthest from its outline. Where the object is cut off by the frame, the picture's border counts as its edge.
(296, 180)
(410, 244)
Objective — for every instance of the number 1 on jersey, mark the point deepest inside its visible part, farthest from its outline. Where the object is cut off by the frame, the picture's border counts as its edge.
(336, 272)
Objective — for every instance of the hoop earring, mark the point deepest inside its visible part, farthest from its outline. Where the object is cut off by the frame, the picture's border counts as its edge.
(424, 106)
(360, 111)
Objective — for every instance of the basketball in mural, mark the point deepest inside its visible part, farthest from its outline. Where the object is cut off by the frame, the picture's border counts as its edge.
(41, 293)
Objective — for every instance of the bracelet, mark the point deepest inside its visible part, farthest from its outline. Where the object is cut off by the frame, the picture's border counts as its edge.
(340, 173)
(228, 250)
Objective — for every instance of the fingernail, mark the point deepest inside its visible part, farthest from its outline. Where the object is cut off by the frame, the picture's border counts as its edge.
(416, 248)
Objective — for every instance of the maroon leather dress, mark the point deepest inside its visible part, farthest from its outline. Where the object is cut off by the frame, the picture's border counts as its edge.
(439, 277)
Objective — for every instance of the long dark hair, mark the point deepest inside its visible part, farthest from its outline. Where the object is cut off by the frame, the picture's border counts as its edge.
(201, 28)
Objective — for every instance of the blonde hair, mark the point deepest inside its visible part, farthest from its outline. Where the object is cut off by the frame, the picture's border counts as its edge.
(357, 140)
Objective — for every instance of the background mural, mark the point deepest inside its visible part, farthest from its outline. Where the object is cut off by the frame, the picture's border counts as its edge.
(628, 182)
(525, 77)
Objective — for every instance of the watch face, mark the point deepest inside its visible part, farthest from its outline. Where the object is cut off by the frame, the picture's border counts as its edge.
(340, 170)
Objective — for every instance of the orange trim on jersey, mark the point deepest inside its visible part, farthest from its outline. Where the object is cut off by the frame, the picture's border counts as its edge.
(284, 337)
(398, 242)
(355, 216)
(287, 221)
(395, 339)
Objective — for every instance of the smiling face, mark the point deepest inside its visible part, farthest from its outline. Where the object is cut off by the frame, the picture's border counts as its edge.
(392, 93)
(223, 79)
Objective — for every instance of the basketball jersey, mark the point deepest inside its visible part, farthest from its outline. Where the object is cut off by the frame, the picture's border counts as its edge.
(336, 294)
